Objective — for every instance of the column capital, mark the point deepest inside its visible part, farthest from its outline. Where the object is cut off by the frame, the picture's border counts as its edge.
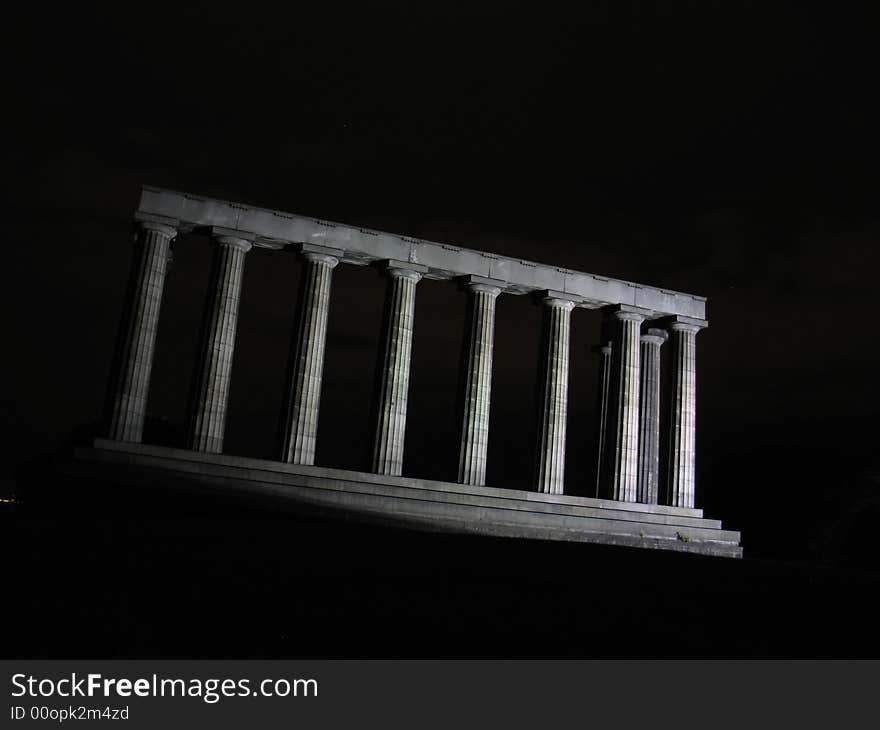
(654, 336)
(493, 291)
(404, 269)
(602, 349)
(680, 323)
(482, 284)
(564, 304)
(314, 248)
(558, 299)
(158, 223)
(320, 258)
(230, 237)
(626, 312)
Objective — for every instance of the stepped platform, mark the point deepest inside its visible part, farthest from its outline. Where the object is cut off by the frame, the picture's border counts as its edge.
(412, 503)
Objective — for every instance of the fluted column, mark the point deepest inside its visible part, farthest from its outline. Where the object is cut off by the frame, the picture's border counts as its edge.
(478, 385)
(683, 424)
(129, 400)
(394, 374)
(604, 352)
(621, 464)
(554, 396)
(300, 433)
(649, 417)
(208, 420)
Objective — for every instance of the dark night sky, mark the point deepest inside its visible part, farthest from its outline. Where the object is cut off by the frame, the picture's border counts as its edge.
(728, 150)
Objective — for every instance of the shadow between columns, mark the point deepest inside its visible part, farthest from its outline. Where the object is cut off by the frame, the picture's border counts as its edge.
(266, 323)
(177, 342)
(512, 422)
(354, 325)
(581, 456)
(433, 435)
(290, 363)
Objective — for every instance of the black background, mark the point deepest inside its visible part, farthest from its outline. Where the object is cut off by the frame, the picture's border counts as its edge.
(724, 149)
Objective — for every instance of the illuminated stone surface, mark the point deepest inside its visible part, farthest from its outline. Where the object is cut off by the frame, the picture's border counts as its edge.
(683, 425)
(390, 430)
(629, 393)
(478, 384)
(129, 406)
(276, 229)
(622, 447)
(554, 395)
(218, 344)
(308, 362)
(649, 417)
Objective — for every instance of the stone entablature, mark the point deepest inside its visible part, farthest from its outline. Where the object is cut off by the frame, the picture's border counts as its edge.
(352, 245)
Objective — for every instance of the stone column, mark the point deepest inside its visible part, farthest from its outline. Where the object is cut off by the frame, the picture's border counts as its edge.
(394, 372)
(478, 384)
(301, 427)
(683, 424)
(208, 420)
(622, 449)
(554, 396)
(604, 352)
(649, 417)
(135, 358)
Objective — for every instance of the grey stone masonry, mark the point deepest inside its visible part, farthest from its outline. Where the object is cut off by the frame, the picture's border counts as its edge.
(683, 411)
(390, 428)
(649, 417)
(604, 352)
(626, 508)
(622, 449)
(554, 395)
(478, 383)
(129, 406)
(301, 422)
(275, 229)
(218, 345)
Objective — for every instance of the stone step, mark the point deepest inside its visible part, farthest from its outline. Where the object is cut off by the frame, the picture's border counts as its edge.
(429, 503)
(409, 482)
